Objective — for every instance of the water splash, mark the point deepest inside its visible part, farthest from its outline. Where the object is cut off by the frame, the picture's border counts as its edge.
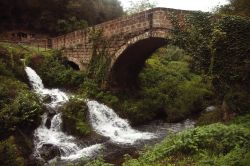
(107, 123)
(102, 118)
(54, 136)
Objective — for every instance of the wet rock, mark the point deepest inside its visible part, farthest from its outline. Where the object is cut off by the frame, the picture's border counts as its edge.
(210, 109)
(49, 118)
(51, 112)
(35, 161)
(48, 123)
(47, 99)
(49, 151)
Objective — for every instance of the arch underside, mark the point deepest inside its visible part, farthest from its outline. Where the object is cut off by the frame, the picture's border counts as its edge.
(126, 68)
(73, 65)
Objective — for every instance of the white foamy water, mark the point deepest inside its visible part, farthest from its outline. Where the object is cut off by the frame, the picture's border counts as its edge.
(57, 97)
(86, 152)
(67, 145)
(107, 123)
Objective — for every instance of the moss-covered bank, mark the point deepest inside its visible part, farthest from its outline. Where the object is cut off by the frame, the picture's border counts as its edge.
(20, 109)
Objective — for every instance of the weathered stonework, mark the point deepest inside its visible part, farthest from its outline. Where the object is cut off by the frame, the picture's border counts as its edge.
(121, 34)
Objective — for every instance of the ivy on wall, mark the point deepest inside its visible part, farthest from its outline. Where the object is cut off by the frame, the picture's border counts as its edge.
(195, 36)
(219, 47)
(101, 60)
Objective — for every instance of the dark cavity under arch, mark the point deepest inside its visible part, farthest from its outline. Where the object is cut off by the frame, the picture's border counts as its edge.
(73, 65)
(124, 73)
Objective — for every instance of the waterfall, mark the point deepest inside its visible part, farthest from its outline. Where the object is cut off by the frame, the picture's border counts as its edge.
(69, 149)
(103, 120)
(107, 123)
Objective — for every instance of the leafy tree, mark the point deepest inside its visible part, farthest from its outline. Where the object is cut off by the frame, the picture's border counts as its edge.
(139, 6)
(219, 47)
(236, 7)
(49, 15)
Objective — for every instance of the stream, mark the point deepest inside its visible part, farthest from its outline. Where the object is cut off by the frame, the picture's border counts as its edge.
(119, 137)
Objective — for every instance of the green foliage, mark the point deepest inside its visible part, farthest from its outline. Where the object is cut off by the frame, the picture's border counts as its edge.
(19, 108)
(10, 63)
(100, 61)
(215, 144)
(139, 6)
(66, 26)
(236, 157)
(9, 154)
(9, 88)
(54, 73)
(195, 38)
(235, 7)
(171, 84)
(243, 120)
(219, 47)
(238, 100)
(231, 62)
(167, 87)
(98, 162)
(3, 69)
(74, 115)
(56, 16)
(210, 117)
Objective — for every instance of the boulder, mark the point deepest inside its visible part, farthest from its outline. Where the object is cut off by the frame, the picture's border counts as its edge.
(49, 151)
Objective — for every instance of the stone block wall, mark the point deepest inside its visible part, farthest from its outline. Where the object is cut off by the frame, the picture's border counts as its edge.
(154, 18)
(120, 32)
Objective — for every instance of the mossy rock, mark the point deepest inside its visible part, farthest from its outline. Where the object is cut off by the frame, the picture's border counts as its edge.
(74, 115)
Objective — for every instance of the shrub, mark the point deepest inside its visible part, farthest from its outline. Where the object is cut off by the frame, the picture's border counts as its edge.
(98, 162)
(9, 154)
(168, 89)
(23, 113)
(219, 47)
(54, 73)
(74, 115)
(238, 100)
(210, 117)
(19, 108)
(9, 88)
(3, 69)
(200, 145)
(11, 64)
(172, 86)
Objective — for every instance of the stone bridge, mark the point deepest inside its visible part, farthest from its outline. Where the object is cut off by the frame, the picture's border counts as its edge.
(132, 40)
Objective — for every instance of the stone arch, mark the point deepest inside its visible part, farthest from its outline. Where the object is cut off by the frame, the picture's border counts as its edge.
(74, 63)
(130, 58)
(149, 34)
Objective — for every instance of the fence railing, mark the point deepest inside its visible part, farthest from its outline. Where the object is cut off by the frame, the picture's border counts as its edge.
(38, 44)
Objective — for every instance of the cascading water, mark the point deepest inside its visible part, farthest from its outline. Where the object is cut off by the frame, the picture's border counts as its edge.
(103, 120)
(69, 149)
(107, 123)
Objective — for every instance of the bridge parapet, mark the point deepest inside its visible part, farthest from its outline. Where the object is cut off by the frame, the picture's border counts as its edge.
(121, 33)
(143, 21)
